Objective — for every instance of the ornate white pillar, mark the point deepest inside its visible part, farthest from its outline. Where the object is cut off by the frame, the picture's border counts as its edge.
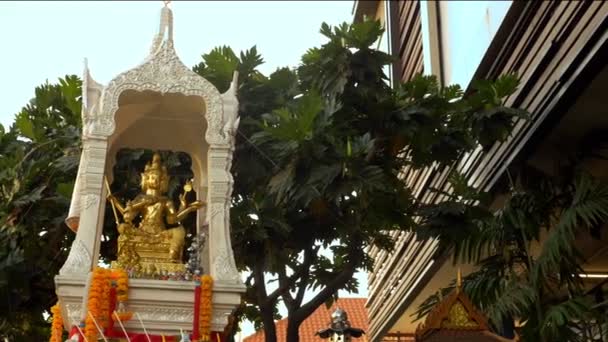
(85, 248)
(222, 265)
(219, 160)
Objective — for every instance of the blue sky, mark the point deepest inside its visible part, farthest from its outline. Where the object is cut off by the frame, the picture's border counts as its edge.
(47, 40)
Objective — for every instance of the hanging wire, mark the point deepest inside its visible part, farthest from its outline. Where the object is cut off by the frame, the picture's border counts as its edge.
(257, 149)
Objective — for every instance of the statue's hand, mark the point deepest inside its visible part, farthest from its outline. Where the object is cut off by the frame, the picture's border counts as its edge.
(125, 228)
(111, 198)
(182, 200)
(148, 200)
(197, 204)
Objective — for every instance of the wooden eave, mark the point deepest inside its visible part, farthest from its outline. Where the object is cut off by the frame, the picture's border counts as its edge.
(440, 312)
(433, 323)
(364, 8)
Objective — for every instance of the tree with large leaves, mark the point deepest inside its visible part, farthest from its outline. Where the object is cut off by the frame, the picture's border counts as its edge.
(541, 287)
(39, 156)
(319, 158)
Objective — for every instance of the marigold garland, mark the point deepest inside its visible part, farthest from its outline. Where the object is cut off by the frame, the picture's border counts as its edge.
(57, 325)
(97, 297)
(121, 282)
(206, 307)
(99, 300)
(105, 303)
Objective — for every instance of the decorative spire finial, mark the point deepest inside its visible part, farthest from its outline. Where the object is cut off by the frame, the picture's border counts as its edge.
(458, 280)
(165, 29)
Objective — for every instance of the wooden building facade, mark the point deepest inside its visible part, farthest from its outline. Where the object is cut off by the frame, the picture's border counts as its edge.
(558, 49)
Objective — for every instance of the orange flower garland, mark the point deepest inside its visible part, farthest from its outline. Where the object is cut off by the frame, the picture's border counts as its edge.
(121, 279)
(99, 299)
(206, 307)
(98, 303)
(98, 295)
(57, 325)
(105, 303)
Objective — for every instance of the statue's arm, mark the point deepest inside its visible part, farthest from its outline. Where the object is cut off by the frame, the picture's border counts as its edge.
(172, 217)
(137, 203)
(194, 206)
(121, 208)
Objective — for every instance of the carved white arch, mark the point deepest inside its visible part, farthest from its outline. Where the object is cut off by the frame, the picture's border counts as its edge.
(161, 72)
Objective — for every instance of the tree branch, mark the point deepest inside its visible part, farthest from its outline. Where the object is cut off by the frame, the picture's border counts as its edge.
(286, 285)
(260, 283)
(309, 253)
(249, 279)
(339, 280)
(266, 307)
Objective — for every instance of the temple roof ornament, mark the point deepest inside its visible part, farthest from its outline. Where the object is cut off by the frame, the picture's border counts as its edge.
(455, 318)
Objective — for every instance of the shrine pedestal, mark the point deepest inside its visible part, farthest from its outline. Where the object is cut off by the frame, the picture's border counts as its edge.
(165, 306)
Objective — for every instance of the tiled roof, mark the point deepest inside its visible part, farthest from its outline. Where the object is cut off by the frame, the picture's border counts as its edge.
(354, 307)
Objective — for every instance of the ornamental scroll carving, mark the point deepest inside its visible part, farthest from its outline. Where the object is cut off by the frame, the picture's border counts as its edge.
(165, 314)
(147, 313)
(78, 261)
(224, 267)
(74, 312)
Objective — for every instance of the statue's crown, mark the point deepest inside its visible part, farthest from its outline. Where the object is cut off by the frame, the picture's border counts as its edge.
(155, 164)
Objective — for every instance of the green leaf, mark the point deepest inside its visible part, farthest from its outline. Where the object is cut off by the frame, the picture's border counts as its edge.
(25, 126)
(71, 89)
(308, 107)
(326, 30)
(218, 67)
(281, 182)
(250, 60)
(31, 197)
(506, 85)
(364, 33)
(65, 189)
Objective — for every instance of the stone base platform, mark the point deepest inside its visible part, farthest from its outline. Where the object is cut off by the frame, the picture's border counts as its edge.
(165, 306)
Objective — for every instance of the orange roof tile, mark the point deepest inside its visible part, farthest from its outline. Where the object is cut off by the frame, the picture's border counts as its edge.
(354, 307)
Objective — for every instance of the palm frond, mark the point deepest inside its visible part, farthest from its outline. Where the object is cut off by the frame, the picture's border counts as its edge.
(559, 319)
(589, 207)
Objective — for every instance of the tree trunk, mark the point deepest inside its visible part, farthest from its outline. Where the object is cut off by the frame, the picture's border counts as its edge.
(508, 327)
(293, 330)
(270, 330)
(266, 307)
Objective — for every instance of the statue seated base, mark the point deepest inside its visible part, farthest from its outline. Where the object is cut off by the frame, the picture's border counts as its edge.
(148, 256)
(152, 270)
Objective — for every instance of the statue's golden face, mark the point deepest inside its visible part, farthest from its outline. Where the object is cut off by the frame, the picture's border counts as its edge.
(155, 180)
(152, 180)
